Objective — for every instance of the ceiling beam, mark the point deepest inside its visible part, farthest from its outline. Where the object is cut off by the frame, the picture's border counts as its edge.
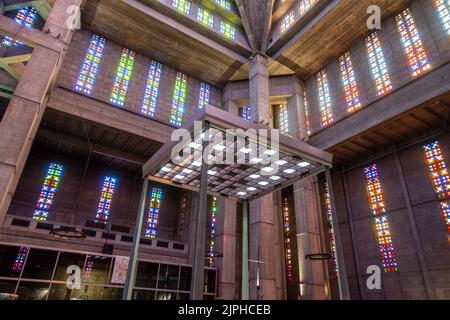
(267, 24)
(185, 30)
(247, 26)
(14, 64)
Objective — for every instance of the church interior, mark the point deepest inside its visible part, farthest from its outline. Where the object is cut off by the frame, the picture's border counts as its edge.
(91, 92)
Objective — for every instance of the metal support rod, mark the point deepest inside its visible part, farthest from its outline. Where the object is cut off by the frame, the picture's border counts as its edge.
(132, 264)
(198, 266)
(340, 264)
(245, 289)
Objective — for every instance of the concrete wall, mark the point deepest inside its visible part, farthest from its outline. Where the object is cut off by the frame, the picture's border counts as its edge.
(107, 70)
(358, 234)
(124, 204)
(435, 42)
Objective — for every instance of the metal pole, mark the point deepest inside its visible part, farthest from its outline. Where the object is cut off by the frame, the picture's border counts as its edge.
(245, 294)
(132, 264)
(340, 264)
(198, 267)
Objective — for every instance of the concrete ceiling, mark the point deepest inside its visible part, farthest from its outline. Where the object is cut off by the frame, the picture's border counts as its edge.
(166, 41)
(424, 121)
(336, 28)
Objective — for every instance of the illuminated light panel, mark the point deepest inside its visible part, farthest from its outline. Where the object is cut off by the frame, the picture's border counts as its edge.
(440, 178)
(287, 21)
(349, 82)
(443, 10)
(183, 6)
(284, 118)
(205, 17)
(25, 17)
(412, 45)
(245, 112)
(330, 227)
(385, 246)
(48, 190)
(326, 112)
(305, 5)
(153, 213)
(182, 215)
(377, 64)
(123, 77)
(178, 99)
(228, 30)
(152, 89)
(90, 66)
(226, 4)
(212, 231)
(104, 204)
(20, 260)
(203, 96)
(287, 240)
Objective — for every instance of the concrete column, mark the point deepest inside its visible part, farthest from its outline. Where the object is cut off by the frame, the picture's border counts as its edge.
(259, 87)
(27, 105)
(226, 244)
(297, 121)
(311, 273)
(227, 103)
(265, 246)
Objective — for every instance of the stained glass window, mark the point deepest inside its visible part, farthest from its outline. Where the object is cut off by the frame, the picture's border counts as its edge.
(287, 240)
(20, 260)
(212, 231)
(305, 5)
(26, 17)
(376, 201)
(440, 178)
(89, 266)
(182, 215)
(443, 10)
(330, 227)
(153, 213)
(48, 190)
(104, 204)
(205, 17)
(307, 118)
(245, 112)
(415, 52)
(178, 99)
(226, 4)
(228, 30)
(203, 97)
(377, 64)
(184, 6)
(90, 67)
(123, 77)
(284, 118)
(326, 112)
(287, 21)
(152, 89)
(349, 82)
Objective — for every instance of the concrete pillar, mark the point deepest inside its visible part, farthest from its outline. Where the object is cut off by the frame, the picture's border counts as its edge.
(311, 273)
(265, 246)
(27, 105)
(259, 88)
(227, 103)
(297, 121)
(226, 244)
